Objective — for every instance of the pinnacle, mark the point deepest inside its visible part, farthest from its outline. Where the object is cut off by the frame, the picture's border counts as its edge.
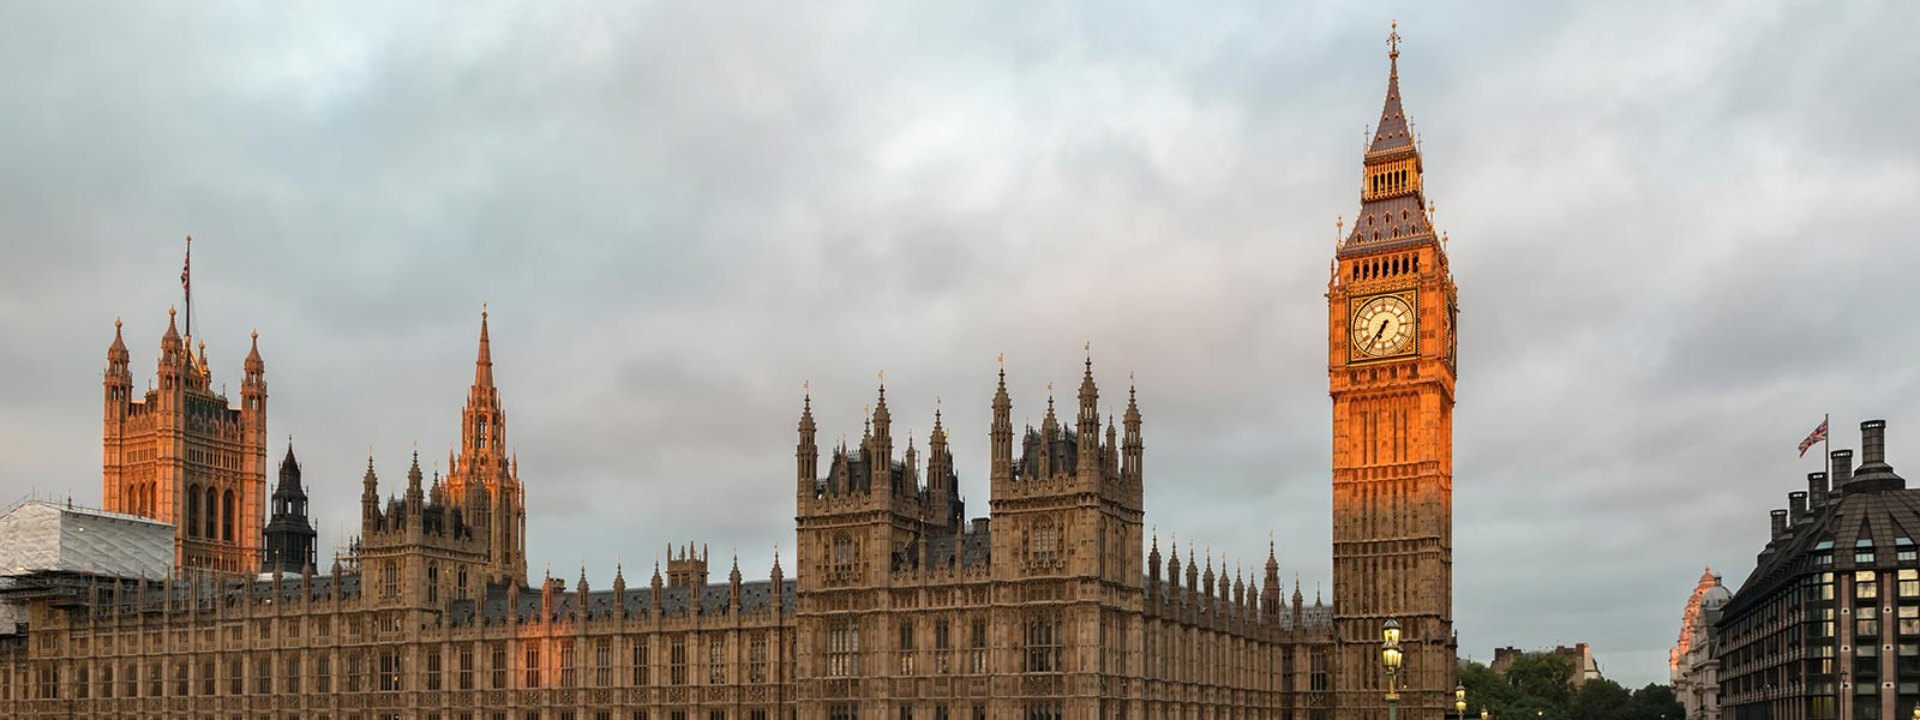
(483, 364)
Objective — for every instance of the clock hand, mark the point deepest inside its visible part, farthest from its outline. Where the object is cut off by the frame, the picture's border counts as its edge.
(1378, 333)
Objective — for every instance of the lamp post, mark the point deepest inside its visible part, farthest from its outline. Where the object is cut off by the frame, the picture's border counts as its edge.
(1483, 713)
(1460, 702)
(1390, 658)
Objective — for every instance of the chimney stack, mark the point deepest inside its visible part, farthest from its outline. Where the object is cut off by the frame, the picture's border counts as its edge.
(1842, 470)
(1873, 442)
(1796, 506)
(1779, 523)
(1816, 490)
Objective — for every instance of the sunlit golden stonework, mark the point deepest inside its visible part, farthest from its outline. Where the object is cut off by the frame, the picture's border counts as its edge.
(1391, 358)
(1056, 606)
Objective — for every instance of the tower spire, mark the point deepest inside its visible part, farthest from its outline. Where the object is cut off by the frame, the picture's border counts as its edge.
(483, 365)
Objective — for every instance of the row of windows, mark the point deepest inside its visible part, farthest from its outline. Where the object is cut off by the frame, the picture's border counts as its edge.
(107, 679)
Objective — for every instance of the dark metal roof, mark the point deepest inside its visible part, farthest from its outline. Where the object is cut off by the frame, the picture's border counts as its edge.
(1874, 509)
(756, 596)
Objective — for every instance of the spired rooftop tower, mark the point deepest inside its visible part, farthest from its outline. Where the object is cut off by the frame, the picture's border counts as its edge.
(184, 454)
(290, 536)
(483, 464)
(1391, 306)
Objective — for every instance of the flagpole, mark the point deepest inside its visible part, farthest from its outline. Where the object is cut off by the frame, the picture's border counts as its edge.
(186, 283)
(1826, 443)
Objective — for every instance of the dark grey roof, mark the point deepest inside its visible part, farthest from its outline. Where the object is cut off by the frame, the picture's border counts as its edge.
(755, 596)
(1874, 509)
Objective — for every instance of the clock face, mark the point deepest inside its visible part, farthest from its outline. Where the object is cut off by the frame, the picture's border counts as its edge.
(1382, 327)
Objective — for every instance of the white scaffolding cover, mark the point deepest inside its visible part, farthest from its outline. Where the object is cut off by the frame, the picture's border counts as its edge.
(39, 536)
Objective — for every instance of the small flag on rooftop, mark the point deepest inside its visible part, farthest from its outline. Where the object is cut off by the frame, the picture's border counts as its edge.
(1819, 434)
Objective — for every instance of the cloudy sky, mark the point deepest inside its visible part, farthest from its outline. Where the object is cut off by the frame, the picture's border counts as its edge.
(1686, 232)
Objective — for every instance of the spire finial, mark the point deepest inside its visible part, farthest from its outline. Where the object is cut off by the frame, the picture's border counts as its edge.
(1393, 40)
(116, 324)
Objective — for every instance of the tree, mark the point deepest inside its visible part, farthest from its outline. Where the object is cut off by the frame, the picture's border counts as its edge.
(1654, 702)
(1544, 676)
(1601, 700)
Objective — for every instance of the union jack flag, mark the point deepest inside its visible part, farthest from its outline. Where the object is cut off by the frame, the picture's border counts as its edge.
(185, 267)
(1819, 434)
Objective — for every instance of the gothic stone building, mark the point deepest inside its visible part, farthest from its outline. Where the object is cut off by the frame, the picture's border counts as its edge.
(1048, 609)
(1053, 607)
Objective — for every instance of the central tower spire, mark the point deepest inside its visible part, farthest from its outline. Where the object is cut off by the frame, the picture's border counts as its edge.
(483, 365)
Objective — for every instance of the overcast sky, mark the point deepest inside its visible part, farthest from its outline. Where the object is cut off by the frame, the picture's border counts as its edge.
(1686, 232)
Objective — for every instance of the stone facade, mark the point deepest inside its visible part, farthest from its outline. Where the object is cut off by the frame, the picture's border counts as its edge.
(1056, 606)
(182, 454)
(1693, 669)
(1050, 608)
(1391, 344)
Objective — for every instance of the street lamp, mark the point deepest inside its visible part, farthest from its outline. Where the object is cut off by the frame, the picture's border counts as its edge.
(1483, 713)
(1460, 702)
(1390, 658)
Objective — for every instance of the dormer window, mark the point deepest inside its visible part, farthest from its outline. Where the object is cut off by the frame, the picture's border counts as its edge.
(1905, 551)
(1863, 551)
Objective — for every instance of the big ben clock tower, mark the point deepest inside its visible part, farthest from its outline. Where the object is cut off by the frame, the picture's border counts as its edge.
(1391, 307)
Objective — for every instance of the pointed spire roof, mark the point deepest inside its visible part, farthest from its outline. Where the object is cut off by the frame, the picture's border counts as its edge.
(483, 365)
(171, 340)
(254, 363)
(117, 352)
(1392, 133)
(289, 486)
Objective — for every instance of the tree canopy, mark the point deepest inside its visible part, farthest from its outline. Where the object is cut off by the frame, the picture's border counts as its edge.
(1540, 687)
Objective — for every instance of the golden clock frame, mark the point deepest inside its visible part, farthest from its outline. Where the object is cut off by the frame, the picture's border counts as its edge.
(1410, 296)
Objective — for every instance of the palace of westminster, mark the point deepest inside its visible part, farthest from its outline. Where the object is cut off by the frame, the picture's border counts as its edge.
(898, 606)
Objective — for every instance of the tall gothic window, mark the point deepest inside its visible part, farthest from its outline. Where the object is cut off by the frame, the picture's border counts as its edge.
(603, 663)
(843, 556)
(843, 649)
(717, 661)
(677, 660)
(226, 517)
(433, 582)
(389, 580)
(533, 667)
(1043, 546)
(499, 666)
(193, 510)
(906, 646)
(1042, 640)
(757, 659)
(466, 666)
(642, 674)
(942, 646)
(977, 647)
(213, 518)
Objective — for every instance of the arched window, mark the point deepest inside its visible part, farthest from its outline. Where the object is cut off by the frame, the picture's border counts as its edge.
(843, 555)
(1043, 545)
(389, 580)
(433, 582)
(213, 515)
(226, 517)
(193, 510)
